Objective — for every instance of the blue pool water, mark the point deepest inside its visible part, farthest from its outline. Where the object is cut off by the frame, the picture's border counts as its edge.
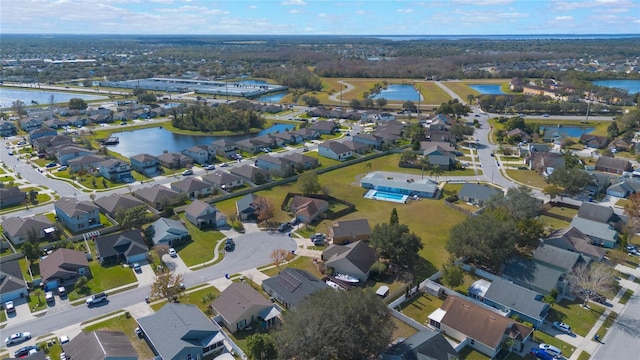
(633, 86)
(572, 131)
(272, 97)
(487, 89)
(399, 93)
(8, 96)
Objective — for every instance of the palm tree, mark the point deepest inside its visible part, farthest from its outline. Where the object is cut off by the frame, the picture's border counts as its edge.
(436, 172)
(424, 163)
(367, 166)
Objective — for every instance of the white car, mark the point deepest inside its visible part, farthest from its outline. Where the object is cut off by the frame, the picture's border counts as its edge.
(187, 172)
(17, 338)
(172, 252)
(48, 296)
(562, 327)
(552, 350)
(9, 307)
(210, 167)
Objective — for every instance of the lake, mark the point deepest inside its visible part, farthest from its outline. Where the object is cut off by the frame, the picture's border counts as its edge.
(487, 89)
(8, 96)
(272, 97)
(633, 86)
(572, 131)
(157, 139)
(399, 93)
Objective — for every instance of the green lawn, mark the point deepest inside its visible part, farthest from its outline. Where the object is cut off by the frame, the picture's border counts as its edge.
(402, 330)
(584, 356)
(201, 247)
(579, 318)
(567, 349)
(553, 223)
(563, 211)
(527, 177)
(468, 353)
(626, 296)
(300, 262)
(105, 278)
(125, 324)
(194, 298)
(607, 324)
(420, 307)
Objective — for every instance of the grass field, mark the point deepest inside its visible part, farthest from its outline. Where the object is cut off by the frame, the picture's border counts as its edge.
(420, 307)
(105, 278)
(201, 247)
(527, 177)
(579, 318)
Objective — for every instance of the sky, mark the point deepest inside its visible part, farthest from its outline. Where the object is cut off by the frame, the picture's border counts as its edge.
(320, 17)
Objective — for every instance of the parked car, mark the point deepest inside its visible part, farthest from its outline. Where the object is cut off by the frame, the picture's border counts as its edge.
(136, 267)
(9, 307)
(63, 168)
(62, 292)
(187, 172)
(173, 252)
(545, 115)
(64, 339)
(17, 338)
(294, 221)
(562, 327)
(96, 298)
(229, 244)
(551, 350)
(209, 167)
(24, 351)
(284, 227)
(49, 296)
(540, 354)
(51, 165)
(224, 165)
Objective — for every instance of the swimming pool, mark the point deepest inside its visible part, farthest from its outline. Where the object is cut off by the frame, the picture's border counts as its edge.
(386, 196)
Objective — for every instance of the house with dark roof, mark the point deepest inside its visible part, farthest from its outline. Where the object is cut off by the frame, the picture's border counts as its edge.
(63, 267)
(193, 187)
(534, 275)
(240, 305)
(593, 141)
(115, 170)
(600, 234)
(69, 152)
(307, 209)
(348, 231)
(223, 180)
(324, 127)
(174, 160)
(159, 196)
(544, 162)
(353, 259)
(203, 215)
(275, 165)
(514, 300)
(439, 157)
(47, 142)
(224, 147)
(7, 128)
(182, 331)
(39, 132)
(145, 164)
(477, 194)
(305, 134)
(291, 286)
(12, 284)
(478, 326)
(113, 203)
(246, 207)
(301, 161)
(518, 135)
(423, 345)
(11, 196)
(601, 214)
(613, 165)
(369, 140)
(250, 145)
(100, 345)
(88, 162)
(201, 154)
(16, 229)
(126, 247)
(251, 173)
(357, 148)
(169, 232)
(334, 150)
(77, 216)
(559, 258)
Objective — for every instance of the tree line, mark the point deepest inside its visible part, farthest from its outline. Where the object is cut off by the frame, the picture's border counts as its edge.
(199, 117)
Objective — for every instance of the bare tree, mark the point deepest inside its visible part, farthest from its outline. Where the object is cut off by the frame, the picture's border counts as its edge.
(591, 279)
(167, 286)
(280, 256)
(265, 209)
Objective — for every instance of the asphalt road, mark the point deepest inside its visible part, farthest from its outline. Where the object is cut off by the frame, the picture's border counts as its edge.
(620, 342)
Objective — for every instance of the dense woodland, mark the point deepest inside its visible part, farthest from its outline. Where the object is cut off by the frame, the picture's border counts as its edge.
(200, 117)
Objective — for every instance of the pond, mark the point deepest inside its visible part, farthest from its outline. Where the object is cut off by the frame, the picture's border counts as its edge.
(156, 140)
(572, 131)
(399, 93)
(8, 96)
(487, 89)
(633, 86)
(272, 98)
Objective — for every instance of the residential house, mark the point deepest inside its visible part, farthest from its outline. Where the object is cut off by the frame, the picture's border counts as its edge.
(182, 331)
(623, 188)
(251, 173)
(307, 209)
(12, 284)
(334, 150)
(446, 146)
(425, 344)
(16, 229)
(370, 140)
(56, 123)
(518, 135)
(601, 234)
(305, 134)
(193, 187)
(224, 147)
(240, 305)
(554, 135)
(39, 133)
(601, 214)
(77, 216)
(516, 84)
(544, 162)
(620, 144)
(11, 196)
(291, 286)
(112, 204)
(613, 165)
(126, 247)
(173, 160)
(201, 214)
(324, 127)
(223, 180)
(87, 163)
(284, 138)
(115, 170)
(573, 240)
(390, 182)
(593, 141)
(200, 154)
(600, 182)
(250, 145)
(275, 165)
(100, 345)
(246, 207)
(169, 232)
(357, 148)
(301, 161)
(145, 164)
(353, 259)
(268, 141)
(348, 231)
(7, 128)
(159, 196)
(513, 300)
(439, 157)
(63, 267)
(29, 125)
(66, 153)
(43, 144)
(477, 326)
(478, 194)
(535, 275)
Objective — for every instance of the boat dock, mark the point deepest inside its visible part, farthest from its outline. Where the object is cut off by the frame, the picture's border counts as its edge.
(113, 140)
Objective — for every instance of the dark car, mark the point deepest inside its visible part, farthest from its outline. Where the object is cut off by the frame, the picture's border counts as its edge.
(229, 244)
(541, 354)
(284, 227)
(24, 351)
(50, 165)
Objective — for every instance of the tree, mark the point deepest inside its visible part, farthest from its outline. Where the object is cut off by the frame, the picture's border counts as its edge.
(166, 286)
(407, 156)
(452, 274)
(394, 219)
(261, 347)
(381, 102)
(459, 131)
(355, 104)
(132, 218)
(591, 279)
(572, 181)
(552, 191)
(632, 209)
(77, 104)
(396, 243)
(82, 285)
(264, 207)
(38, 293)
(519, 203)
(147, 98)
(30, 247)
(436, 171)
(280, 256)
(317, 330)
(310, 100)
(487, 238)
(409, 106)
(19, 107)
(530, 231)
(424, 164)
(367, 166)
(308, 183)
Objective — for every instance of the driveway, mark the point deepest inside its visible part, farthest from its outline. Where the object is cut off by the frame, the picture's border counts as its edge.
(175, 264)
(146, 276)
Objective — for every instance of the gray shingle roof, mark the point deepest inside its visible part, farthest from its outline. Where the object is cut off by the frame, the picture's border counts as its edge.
(560, 258)
(220, 178)
(20, 226)
(516, 297)
(294, 285)
(190, 184)
(335, 146)
(73, 207)
(236, 299)
(114, 202)
(531, 275)
(100, 345)
(128, 243)
(477, 191)
(423, 345)
(591, 211)
(351, 228)
(11, 278)
(361, 255)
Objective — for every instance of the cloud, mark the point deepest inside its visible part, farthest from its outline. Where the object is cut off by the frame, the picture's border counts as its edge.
(360, 12)
(253, 6)
(308, 29)
(293, 2)
(483, 2)
(323, 15)
(294, 11)
(404, 11)
(563, 18)
(513, 15)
